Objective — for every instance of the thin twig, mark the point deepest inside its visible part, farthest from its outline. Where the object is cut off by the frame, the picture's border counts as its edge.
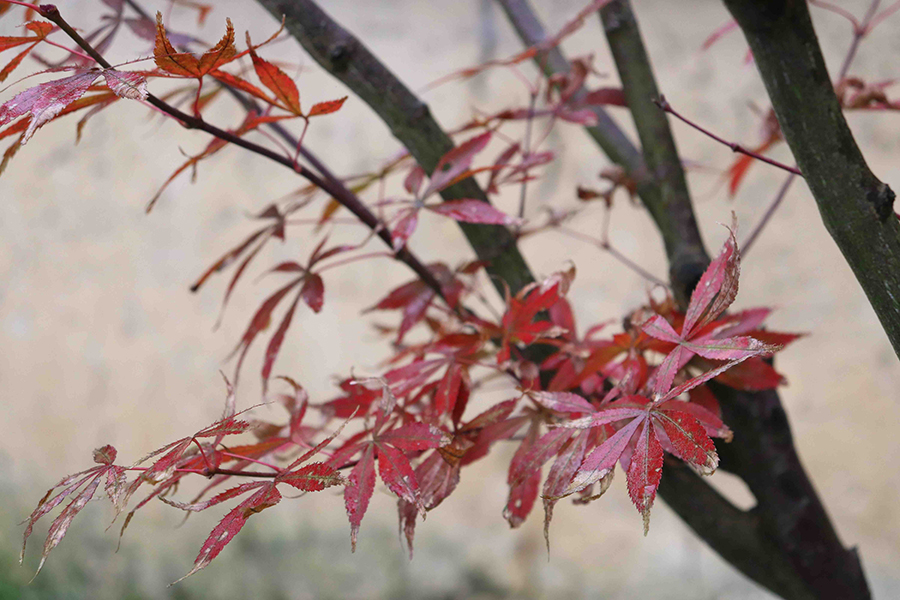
(859, 32)
(25, 4)
(605, 245)
(776, 202)
(526, 151)
(884, 14)
(236, 473)
(341, 194)
(836, 10)
(664, 105)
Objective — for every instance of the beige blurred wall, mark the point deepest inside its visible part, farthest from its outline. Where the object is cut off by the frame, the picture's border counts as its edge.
(103, 343)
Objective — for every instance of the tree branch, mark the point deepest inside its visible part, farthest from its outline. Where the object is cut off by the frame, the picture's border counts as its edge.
(611, 139)
(664, 105)
(672, 213)
(345, 57)
(749, 540)
(790, 512)
(856, 207)
(339, 191)
(737, 535)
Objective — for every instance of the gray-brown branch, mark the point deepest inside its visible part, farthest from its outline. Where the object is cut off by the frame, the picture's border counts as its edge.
(786, 543)
(659, 177)
(856, 207)
(673, 212)
(345, 57)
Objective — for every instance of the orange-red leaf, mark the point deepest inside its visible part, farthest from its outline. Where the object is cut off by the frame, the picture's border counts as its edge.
(328, 107)
(15, 62)
(241, 84)
(185, 64)
(277, 81)
(41, 28)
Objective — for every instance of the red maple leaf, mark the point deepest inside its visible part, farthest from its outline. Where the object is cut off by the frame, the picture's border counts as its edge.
(44, 102)
(453, 167)
(646, 428)
(519, 324)
(415, 297)
(88, 481)
(700, 334)
(388, 446)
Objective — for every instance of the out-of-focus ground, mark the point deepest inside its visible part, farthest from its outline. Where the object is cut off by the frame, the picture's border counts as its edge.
(103, 343)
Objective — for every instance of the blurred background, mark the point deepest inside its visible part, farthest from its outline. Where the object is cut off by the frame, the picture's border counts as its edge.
(102, 342)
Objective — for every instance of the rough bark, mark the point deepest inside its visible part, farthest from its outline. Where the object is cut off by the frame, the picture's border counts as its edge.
(789, 512)
(855, 206)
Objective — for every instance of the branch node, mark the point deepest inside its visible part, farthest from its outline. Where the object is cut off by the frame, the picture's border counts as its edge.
(662, 103)
(48, 11)
(882, 199)
(421, 113)
(339, 54)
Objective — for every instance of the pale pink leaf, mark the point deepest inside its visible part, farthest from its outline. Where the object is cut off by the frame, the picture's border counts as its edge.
(126, 84)
(668, 368)
(661, 329)
(43, 102)
(700, 379)
(473, 211)
(729, 348)
(604, 417)
(455, 163)
(716, 289)
(232, 523)
(566, 402)
(645, 472)
(602, 460)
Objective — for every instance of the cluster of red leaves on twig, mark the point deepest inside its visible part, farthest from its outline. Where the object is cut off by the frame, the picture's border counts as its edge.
(600, 401)
(48, 101)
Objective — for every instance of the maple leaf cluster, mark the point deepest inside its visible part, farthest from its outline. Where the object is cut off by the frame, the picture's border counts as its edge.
(581, 404)
(627, 399)
(48, 101)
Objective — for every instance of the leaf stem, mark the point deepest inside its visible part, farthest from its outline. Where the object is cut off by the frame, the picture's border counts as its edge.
(253, 460)
(664, 105)
(69, 50)
(25, 4)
